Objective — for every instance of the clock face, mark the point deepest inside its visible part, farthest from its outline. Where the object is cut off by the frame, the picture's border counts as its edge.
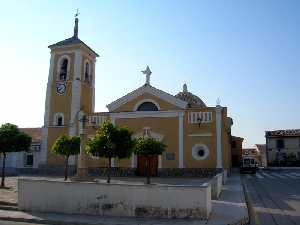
(60, 88)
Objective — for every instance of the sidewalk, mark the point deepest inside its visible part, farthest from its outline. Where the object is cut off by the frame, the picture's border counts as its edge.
(229, 209)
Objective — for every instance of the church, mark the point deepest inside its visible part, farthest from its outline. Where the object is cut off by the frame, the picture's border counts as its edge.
(197, 136)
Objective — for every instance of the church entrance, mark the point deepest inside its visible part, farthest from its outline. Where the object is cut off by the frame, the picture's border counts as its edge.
(142, 165)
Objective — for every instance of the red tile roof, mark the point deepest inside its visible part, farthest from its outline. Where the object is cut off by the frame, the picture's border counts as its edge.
(283, 133)
(35, 133)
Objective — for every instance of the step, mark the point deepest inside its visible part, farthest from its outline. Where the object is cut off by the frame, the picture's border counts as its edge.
(8, 203)
(10, 208)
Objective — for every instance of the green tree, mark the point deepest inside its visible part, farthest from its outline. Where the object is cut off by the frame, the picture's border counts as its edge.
(12, 140)
(66, 146)
(110, 142)
(148, 147)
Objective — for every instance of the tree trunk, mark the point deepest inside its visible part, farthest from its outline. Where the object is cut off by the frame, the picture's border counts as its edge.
(66, 167)
(108, 171)
(3, 170)
(148, 169)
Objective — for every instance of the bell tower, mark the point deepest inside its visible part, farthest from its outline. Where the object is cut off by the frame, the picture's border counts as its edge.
(70, 90)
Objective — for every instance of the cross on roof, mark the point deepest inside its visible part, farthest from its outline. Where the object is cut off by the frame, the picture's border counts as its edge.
(77, 13)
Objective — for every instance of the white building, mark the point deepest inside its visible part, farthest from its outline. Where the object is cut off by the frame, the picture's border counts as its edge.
(283, 147)
(18, 162)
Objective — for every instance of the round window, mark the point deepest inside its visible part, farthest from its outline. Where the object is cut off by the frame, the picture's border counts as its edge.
(200, 151)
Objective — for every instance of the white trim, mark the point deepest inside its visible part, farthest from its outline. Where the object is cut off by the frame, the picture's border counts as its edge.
(93, 85)
(147, 89)
(49, 90)
(195, 150)
(44, 147)
(133, 161)
(159, 162)
(58, 65)
(143, 101)
(180, 142)
(201, 135)
(76, 92)
(142, 114)
(55, 119)
(219, 136)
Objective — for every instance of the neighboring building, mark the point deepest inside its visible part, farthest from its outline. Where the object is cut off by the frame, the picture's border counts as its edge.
(261, 148)
(236, 150)
(283, 147)
(197, 136)
(17, 162)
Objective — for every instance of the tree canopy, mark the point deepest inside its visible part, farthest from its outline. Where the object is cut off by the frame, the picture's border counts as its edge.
(13, 140)
(148, 146)
(67, 146)
(111, 141)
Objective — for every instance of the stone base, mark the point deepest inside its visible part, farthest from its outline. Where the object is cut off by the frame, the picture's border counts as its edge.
(82, 175)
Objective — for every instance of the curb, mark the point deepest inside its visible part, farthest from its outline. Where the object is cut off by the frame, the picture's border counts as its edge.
(248, 202)
(43, 221)
(246, 219)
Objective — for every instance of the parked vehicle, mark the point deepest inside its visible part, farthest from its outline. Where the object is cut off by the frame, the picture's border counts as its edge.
(248, 165)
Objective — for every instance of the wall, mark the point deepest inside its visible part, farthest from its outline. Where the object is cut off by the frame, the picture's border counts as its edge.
(115, 199)
(291, 145)
(216, 185)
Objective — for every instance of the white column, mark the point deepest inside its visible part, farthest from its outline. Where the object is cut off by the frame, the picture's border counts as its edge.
(44, 146)
(133, 161)
(180, 135)
(159, 162)
(93, 86)
(76, 97)
(219, 136)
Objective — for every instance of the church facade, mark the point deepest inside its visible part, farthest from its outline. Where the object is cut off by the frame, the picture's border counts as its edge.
(197, 136)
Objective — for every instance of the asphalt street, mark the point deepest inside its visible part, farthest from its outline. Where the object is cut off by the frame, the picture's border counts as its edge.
(4, 222)
(274, 197)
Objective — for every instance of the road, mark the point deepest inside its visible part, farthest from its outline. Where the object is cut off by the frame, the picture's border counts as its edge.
(274, 197)
(4, 222)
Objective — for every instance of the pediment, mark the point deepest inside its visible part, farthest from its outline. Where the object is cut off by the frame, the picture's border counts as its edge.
(146, 92)
(148, 133)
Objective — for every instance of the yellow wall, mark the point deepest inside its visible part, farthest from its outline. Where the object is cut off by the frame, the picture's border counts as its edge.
(128, 107)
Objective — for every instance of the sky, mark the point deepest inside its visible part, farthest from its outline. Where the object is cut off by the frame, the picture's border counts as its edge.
(246, 53)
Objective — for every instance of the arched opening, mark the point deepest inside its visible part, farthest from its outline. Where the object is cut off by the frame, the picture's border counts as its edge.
(63, 69)
(59, 121)
(87, 72)
(147, 106)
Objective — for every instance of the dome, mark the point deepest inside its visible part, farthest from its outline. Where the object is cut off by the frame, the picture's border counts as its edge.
(193, 100)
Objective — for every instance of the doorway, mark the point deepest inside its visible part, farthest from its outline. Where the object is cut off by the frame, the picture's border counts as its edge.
(142, 165)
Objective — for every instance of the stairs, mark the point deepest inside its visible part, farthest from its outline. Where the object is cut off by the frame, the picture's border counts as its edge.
(8, 206)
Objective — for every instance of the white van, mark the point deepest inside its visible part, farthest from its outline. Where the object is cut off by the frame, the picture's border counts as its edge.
(248, 165)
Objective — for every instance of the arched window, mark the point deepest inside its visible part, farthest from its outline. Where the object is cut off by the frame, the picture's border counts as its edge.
(147, 106)
(63, 69)
(58, 119)
(87, 71)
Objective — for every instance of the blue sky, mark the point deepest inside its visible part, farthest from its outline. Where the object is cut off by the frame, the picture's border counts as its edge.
(244, 52)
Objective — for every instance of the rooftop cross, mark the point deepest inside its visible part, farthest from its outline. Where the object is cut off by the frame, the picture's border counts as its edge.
(76, 24)
(148, 73)
(77, 13)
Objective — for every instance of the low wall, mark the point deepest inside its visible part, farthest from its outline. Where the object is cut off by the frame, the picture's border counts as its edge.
(162, 201)
(216, 186)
